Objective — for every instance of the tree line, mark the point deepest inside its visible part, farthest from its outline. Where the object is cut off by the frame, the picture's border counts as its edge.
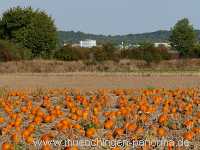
(26, 33)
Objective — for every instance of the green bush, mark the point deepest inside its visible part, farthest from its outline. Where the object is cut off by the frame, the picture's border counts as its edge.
(109, 50)
(155, 55)
(106, 52)
(99, 54)
(10, 51)
(195, 51)
(69, 53)
(147, 52)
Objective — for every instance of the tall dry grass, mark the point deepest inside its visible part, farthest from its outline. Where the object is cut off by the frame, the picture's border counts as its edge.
(52, 66)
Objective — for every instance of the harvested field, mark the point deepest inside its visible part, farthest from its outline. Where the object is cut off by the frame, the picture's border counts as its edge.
(91, 81)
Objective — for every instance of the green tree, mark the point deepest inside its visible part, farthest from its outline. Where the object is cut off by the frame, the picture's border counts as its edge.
(99, 54)
(109, 50)
(33, 29)
(196, 50)
(146, 45)
(10, 51)
(183, 37)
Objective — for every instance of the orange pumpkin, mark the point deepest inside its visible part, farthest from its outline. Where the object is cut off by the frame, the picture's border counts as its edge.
(90, 132)
(189, 123)
(25, 133)
(1, 119)
(161, 132)
(116, 148)
(71, 148)
(6, 146)
(108, 124)
(163, 119)
(29, 140)
(46, 147)
(131, 127)
(118, 132)
(15, 138)
(48, 118)
(188, 135)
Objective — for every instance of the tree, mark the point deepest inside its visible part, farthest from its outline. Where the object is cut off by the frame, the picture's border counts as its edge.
(109, 50)
(196, 50)
(146, 45)
(99, 54)
(33, 29)
(183, 37)
(10, 52)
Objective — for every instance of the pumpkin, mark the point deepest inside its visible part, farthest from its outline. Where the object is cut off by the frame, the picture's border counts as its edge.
(189, 123)
(38, 120)
(25, 133)
(118, 132)
(71, 148)
(48, 118)
(24, 109)
(6, 146)
(188, 135)
(131, 127)
(140, 130)
(108, 124)
(163, 119)
(116, 148)
(161, 132)
(90, 132)
(29, 140)
(46, 147)
(15, 138)
(1, 119)
(77, 126)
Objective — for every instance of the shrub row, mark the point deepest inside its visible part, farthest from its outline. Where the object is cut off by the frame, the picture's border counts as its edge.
(10, 51)
(149, 53)
(108, 52)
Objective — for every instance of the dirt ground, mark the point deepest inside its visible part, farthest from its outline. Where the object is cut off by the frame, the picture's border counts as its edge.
(92, 81)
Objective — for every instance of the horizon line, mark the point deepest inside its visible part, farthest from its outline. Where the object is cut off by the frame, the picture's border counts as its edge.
(148, 32)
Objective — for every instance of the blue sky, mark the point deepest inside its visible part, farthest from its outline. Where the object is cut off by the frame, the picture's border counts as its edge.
(114, 16)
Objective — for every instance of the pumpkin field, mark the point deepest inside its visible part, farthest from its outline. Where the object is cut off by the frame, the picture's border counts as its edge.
(29, 119)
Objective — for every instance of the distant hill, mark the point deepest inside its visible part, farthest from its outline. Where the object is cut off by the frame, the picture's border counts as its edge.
(75, 37)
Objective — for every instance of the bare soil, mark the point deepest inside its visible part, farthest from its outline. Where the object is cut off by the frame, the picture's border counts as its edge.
(92, 81)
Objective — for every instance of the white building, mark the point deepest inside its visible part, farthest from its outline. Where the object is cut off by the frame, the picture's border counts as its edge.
(162, 44)
(128, 45)
(88, 43)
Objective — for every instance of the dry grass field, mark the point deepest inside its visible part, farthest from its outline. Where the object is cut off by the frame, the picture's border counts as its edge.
(91, 81)
(52, 66)
(78, 74)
